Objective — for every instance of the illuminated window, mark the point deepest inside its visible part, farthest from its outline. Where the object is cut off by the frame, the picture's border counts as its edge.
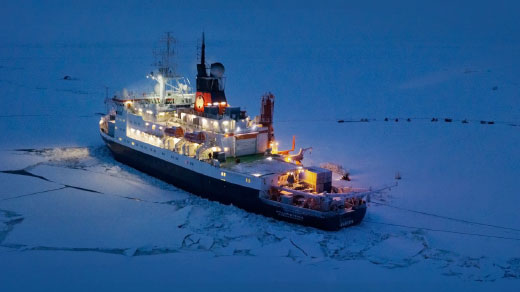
(223, 173)
(120, 139)
(133, 143)
(248, 180)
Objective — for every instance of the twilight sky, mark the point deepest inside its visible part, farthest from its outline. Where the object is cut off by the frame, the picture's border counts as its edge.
(346, 58)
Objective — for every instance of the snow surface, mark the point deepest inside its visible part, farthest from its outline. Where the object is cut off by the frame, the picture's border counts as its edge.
(74, 219)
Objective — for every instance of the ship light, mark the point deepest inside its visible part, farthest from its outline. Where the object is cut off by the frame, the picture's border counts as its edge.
(226, 148)
(215, 103)
(238, 129)
(160, 128)
(140, 109)
(223, 103)
(209, 104)
(256, 174)
(149, 112)
(288, 159)
(147, 124)
(153, 127)
(269, 158)
(132, 130)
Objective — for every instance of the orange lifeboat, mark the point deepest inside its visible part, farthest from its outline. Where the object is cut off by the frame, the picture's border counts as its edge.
(176, 132)
(195, 137)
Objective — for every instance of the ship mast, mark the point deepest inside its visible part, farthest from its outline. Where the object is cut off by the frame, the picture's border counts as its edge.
(165, 65)
(201, 68)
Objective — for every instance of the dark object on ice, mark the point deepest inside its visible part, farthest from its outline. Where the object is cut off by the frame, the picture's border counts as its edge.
(408, 120)
(490, 123)
(69, 78)
(435, 120)
(386, 119)
(237, 160)
(448, 120)
(495, 87)
(464, 121)
(483, 122)
(397, 120)
(397, 175)
(364, 120)
(341, 121)
(346, 176)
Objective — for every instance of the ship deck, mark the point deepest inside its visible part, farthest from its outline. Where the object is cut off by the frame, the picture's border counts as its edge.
(258, 165)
